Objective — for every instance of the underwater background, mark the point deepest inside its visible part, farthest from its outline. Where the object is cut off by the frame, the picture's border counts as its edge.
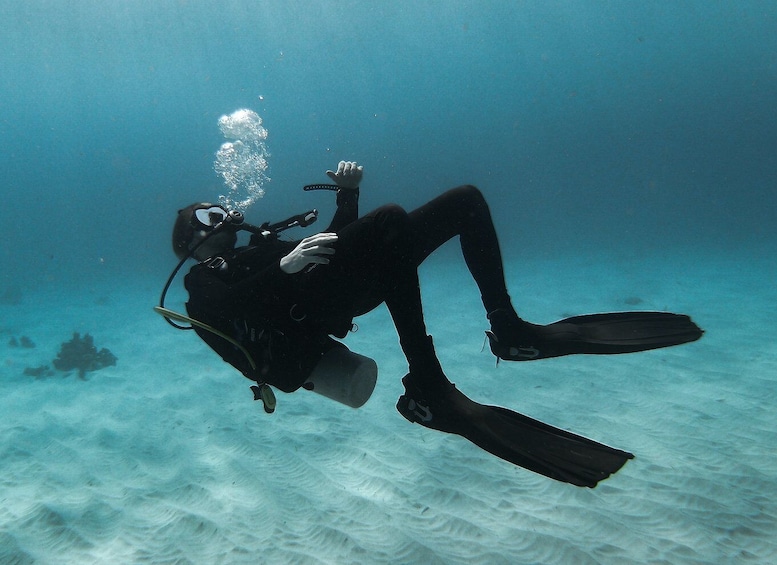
(629, 154)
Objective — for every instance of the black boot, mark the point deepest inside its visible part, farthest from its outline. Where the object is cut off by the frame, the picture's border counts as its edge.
(425, 370)
(514, 339)
(443, 409)
(425, 386)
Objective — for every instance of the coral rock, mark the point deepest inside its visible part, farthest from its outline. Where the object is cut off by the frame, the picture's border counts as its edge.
(80, 354)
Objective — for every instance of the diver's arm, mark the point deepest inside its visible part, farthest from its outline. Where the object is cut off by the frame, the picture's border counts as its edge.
(348, 177)
(347, 209)
(313, 250)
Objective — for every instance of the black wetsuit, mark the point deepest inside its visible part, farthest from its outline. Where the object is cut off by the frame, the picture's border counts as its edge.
(285, 321)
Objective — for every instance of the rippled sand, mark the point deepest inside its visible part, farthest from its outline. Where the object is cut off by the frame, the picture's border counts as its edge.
(165, 458)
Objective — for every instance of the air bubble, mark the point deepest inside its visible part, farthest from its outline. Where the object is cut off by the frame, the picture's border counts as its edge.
(242, 162)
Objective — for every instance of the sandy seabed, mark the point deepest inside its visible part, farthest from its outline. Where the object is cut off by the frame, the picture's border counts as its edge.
(165, 458)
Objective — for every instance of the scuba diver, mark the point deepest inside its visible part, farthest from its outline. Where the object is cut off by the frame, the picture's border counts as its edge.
(270, 309)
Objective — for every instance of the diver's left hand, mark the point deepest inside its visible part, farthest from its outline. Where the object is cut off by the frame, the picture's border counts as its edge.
(309, 253)
(348, 175)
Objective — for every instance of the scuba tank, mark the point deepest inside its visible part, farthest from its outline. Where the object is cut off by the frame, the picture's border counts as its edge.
(344, 376)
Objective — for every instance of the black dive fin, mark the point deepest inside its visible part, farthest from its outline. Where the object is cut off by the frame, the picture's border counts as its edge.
(604, 334)
(511, 436)
(546, 450)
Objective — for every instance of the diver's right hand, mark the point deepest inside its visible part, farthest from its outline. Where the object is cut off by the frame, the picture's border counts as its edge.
(348, 174)
(311, 251)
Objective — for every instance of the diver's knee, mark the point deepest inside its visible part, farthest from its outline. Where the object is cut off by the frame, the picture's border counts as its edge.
(394, 230)
(471, 192)
(468, 196)
(392, 215)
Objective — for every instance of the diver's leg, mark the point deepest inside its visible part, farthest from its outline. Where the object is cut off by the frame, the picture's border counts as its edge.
(464, 212)
(369, 247)
(400, 289)
(404, 305)
(373, 263)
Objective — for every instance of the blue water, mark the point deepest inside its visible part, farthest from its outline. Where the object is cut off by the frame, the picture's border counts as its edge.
(617, 127)
(602, 122)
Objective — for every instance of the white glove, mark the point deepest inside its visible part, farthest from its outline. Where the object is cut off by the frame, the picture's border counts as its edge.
(311, 251)
(349, 174)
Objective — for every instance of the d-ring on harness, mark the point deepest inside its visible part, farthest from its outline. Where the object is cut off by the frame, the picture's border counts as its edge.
(296, 318)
